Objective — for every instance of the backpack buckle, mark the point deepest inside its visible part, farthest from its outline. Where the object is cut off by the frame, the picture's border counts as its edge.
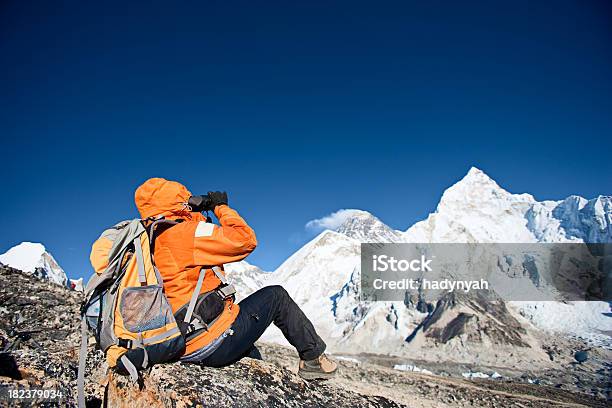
(195, 325)
(125, 343)
(226, 291)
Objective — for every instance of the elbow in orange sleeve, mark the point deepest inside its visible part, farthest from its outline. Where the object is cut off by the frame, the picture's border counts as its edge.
(251, 244)
(236, 227)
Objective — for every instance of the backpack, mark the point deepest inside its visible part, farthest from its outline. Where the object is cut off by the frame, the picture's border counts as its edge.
(125, 307)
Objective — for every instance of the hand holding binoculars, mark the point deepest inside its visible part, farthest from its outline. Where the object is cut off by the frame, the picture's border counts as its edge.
(207, 202)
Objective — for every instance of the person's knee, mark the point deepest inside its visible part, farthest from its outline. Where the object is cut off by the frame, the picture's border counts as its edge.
(277, 292)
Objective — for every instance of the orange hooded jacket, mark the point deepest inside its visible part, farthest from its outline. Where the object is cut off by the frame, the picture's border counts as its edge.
(181, 251)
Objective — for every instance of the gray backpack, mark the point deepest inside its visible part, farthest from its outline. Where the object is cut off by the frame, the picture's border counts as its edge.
(125, 307)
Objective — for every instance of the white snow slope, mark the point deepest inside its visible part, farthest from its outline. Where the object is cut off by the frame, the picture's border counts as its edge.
(33, 258)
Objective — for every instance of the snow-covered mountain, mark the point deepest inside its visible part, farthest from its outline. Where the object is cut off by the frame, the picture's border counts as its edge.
(477, 209)
(323, 276)
(365, 227)
(33, 258)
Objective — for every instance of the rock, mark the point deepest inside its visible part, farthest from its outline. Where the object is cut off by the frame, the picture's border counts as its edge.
(581, 356)
(8, 367)
(480, 317)
(249, 383)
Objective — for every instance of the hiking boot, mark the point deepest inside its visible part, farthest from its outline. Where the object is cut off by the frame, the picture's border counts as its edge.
(320, 368)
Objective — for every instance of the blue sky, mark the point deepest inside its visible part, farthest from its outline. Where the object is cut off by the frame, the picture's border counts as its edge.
(297, 110)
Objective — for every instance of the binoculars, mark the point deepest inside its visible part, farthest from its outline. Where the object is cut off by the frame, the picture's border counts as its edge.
(200, 203)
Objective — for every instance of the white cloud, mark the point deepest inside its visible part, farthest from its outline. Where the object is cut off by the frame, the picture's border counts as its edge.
(331, 221)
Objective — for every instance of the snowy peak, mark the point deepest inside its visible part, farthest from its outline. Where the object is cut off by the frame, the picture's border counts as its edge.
(365, 227)
(477, 176)
(475, 181)
(476, 209)
(355, 224)
(33, 258)
(477, 188)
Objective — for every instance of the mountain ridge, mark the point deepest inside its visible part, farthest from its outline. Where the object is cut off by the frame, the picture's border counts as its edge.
(475, 209)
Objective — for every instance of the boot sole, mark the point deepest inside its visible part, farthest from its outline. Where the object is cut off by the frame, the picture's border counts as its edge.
(312, 375)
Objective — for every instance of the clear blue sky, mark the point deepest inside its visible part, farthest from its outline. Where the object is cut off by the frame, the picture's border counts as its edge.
(297, 109)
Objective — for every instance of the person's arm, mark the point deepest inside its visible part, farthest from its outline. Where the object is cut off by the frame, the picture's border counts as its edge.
(231, 241)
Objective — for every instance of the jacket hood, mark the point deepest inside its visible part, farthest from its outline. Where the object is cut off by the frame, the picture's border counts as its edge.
(158, 196)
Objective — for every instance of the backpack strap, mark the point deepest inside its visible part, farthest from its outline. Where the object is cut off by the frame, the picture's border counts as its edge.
(194, 297)
(130, 367)
(142, 277)
(226, 289)
(141, 344)
(82, 360)
(219, 275)
(152, 227)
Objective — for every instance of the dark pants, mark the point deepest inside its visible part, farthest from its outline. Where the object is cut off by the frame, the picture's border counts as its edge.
(271, 304)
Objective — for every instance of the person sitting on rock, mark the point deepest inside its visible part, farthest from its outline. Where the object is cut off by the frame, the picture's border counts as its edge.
(221, 332)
